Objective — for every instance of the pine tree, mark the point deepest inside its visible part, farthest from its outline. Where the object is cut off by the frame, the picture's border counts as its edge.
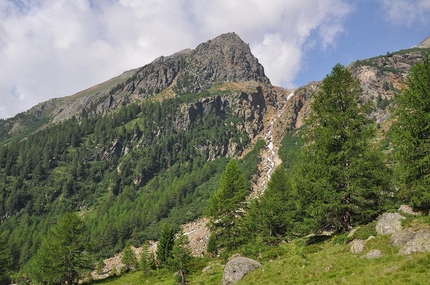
(342, 175)
(165, 245)
(411, 137)
(225, 205)
(181, 254)
(61, 257)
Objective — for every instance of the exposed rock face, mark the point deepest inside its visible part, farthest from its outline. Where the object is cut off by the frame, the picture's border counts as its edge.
(237, 268)
(224, 59)
(389, 223)
(420, 243)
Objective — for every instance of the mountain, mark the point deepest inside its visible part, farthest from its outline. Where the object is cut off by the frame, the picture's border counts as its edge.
(140, 149)
(222, 60)
(149, 146)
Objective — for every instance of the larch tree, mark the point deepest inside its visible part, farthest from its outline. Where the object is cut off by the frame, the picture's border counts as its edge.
(271, 216)
(342, 175)
(226, 205)
(129, 259)
(181, 254)
(411, 137)
(62, 256)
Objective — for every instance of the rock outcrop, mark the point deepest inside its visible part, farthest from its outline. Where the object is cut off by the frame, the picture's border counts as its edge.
(237, 268)
(419, 243)
(226, 58)
(389, 223)
(402, 237)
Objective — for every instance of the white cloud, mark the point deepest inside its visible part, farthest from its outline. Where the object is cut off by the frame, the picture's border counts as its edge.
(406, 12)
(53, 48)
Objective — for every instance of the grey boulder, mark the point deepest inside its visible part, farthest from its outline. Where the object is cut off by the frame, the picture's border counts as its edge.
(237, 268)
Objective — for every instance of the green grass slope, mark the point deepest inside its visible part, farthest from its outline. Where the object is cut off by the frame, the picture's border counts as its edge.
(304, 261)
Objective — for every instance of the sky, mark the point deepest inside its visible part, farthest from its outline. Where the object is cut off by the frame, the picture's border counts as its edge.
(56, 48)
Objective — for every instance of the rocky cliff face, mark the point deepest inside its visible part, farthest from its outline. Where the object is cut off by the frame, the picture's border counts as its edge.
(224, 59)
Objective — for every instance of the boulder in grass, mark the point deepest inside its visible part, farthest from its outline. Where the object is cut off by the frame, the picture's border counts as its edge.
(236, 268)
(420, 243)
(357, 246)
(389, 223)
(375, 253)
(402, 237)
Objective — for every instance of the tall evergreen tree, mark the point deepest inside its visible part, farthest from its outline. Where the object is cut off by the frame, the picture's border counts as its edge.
(342, 175)
(61, 258)
(411, 137)
(225, 205)
(166, 241)
(181, 254)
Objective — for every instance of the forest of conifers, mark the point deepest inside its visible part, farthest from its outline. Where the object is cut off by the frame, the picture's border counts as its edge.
(128, 172)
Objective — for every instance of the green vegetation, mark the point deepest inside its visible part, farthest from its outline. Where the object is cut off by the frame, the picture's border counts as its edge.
(411, 137)
(138, 173)
(62, 258)
(126, 172)
(5, 260)
(226, 206)
(341, 175)
(129, 259)
(181, 257)
(301, 262)
(165, 245)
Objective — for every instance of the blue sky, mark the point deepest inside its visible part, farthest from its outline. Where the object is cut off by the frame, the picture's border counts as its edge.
(368, 32)
(55, 48)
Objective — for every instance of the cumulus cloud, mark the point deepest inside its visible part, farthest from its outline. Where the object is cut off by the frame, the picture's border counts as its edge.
(406, 12)
(54, 48)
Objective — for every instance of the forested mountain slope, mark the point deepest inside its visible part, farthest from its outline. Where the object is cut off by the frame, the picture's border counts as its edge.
(149, 146)
(127, 166)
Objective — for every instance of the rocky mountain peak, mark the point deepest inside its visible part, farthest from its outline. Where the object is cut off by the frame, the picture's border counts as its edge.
(225, 58)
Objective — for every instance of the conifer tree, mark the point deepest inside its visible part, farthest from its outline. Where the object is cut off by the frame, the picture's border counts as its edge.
(271, 216)
(100, 266)
(146, 259)
(411, 137)
(181, 254)
(129, 259)
(165, 245)
(342, 175)
(61, 258)
(225, 205)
